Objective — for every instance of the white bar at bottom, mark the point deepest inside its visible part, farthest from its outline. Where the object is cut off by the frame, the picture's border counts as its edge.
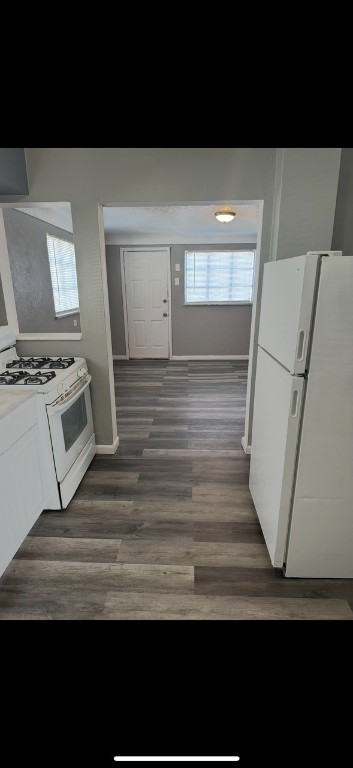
(176, 759)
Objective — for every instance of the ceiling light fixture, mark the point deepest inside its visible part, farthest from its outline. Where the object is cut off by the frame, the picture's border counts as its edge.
(224, 216)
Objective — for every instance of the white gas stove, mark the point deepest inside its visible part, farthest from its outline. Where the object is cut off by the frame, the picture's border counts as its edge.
(62, 386)
(53, 377)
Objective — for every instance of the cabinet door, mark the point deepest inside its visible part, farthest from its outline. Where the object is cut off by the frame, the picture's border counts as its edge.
(22, 493)
(10, 527)
(29, 486)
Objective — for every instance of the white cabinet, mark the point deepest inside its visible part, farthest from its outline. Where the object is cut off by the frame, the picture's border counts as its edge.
(22, 485)
(10, 527)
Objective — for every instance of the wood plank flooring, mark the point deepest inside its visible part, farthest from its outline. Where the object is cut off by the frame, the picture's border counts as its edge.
(166, 528)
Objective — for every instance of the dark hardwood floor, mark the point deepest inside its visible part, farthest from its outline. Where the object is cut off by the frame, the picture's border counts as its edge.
(165, 528)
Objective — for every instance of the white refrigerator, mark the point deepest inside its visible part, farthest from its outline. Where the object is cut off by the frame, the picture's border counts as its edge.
(301, 468)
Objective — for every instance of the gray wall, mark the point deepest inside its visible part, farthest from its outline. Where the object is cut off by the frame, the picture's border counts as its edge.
(342, 239)
(90, 177)
(30, 271)
(306, 198)
(13, 171)
(3, 315)
(115, 299)
(217, 330)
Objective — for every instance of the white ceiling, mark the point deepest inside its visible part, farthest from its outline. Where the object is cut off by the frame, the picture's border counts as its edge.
(168, 224)
(163, 224)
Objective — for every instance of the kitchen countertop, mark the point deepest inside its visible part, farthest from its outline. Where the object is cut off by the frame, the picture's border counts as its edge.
(11, 400)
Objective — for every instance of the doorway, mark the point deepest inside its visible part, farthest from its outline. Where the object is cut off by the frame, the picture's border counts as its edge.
(145, 274)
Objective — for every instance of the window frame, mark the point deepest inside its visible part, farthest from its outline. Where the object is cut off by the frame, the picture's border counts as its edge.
(219, 303)
(65, 312)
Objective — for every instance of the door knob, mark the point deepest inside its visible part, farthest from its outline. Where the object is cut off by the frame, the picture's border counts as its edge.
(165, 301)
(165, 314)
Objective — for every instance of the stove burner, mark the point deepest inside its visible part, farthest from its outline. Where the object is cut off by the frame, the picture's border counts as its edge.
(38, 378)
(28, 362)
(23, 377)
(11, 378)
(61, 362)
(19, 365)
(41, 362)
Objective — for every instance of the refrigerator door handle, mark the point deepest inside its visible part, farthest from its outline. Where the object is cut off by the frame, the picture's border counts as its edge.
(294, 403)
(301, 345)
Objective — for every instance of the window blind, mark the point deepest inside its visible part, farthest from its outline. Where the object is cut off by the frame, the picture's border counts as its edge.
(63, 275)
(219, 276)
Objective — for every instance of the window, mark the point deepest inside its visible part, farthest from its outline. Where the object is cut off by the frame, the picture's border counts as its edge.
(219, 277)
(63, 276)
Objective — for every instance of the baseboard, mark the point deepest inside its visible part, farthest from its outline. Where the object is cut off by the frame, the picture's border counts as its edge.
(189, 357)
(112, 448)
(210, 357)
(246, 448)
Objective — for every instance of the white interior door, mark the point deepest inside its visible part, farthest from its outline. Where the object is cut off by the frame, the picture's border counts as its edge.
(286, 309)
(277, 409)
(147, 302)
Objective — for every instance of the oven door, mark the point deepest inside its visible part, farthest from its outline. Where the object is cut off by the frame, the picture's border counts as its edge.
(71, 426)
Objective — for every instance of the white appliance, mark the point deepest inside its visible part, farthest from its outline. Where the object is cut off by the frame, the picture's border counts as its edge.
(62, 384)
(301, 469)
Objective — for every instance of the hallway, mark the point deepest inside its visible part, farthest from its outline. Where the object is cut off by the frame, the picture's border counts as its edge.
(165, 528)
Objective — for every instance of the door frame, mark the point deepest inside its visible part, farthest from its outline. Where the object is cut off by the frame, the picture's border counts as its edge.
(124, 252)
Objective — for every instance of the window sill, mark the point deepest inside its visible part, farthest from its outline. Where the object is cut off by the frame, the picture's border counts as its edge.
(217, 303)
(49, 336)
(67, 314)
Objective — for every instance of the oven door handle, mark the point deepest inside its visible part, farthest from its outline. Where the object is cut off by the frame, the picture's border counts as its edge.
(69, 400)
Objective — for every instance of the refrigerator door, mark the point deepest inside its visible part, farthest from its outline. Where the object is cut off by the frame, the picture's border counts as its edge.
(277, 414)
(321, 531)
(286, 309)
